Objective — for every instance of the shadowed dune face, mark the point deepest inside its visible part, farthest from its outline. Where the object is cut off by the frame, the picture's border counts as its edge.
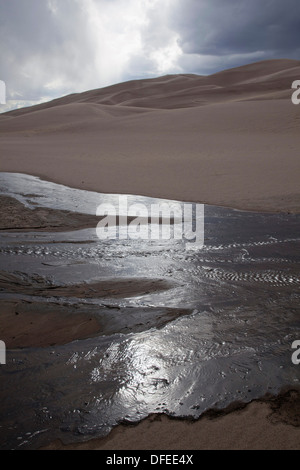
(231, 138)
(187, 90)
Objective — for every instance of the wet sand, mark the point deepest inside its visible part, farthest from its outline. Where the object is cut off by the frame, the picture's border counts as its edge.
(268, 423)
(39, 325)
(231, 139)
(15, 216)
(46, 324)
(271, 423)
(109, 288)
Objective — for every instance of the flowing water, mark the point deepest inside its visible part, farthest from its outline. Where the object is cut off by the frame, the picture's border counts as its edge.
(219, 330)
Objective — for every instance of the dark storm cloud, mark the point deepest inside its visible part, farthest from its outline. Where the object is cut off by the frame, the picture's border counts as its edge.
(226, 28)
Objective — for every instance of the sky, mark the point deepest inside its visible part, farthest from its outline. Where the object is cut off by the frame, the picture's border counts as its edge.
(50, 48)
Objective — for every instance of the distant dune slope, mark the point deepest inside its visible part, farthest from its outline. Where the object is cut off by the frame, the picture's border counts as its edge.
(181, 91)
(231, 138)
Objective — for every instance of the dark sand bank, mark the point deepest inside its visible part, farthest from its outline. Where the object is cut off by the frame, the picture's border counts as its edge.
(39, 324)
(14, 216)
(112, 287)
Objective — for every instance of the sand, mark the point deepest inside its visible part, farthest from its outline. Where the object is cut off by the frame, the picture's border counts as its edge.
(29, 323)
(228, 139)
(271, 423)
(26, 324)
(14, 216)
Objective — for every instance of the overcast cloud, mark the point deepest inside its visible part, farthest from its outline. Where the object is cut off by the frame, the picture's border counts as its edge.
(50, 48)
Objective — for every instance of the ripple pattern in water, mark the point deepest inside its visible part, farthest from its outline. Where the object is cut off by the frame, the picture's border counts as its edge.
(239, 299)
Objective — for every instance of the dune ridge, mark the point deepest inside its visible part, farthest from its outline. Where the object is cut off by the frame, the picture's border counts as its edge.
(176, 91)
(231, 138)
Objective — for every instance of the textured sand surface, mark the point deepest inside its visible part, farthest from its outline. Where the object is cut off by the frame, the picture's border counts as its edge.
(231, 138)
(271, 423)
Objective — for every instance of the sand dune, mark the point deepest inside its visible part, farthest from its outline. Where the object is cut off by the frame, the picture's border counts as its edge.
(230, 138)
(175, 91)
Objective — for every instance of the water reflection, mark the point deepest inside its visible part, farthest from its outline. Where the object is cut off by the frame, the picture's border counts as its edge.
(221, 329)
